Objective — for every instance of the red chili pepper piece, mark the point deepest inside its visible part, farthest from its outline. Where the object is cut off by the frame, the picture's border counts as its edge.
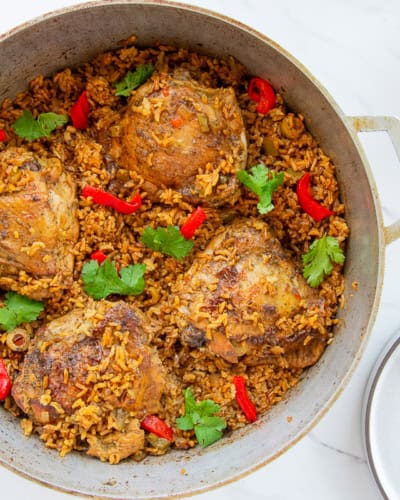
(99, 256)
(109, 200)
(136, 200)
(5, 381)
(153, 424)
(243, 400)
(194, 221)
(261, 91)
(307, 202)
(177, 122)
(79, 112)
(3, 135)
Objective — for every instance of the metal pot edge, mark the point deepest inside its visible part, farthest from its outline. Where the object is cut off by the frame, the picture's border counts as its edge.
(378, 211)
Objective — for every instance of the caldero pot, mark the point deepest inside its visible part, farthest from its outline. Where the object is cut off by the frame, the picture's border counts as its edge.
(78, 33)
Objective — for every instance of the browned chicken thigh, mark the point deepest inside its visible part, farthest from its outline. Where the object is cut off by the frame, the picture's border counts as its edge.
(241, 297)
(38, 224)
(94, 364)
(184, 136)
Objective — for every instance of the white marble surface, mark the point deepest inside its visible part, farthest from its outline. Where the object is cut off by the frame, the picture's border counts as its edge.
(353, 48)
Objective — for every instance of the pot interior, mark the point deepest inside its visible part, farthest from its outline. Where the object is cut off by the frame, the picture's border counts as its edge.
(75, 35)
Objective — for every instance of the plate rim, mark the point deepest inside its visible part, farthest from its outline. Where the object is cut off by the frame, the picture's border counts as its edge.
(371, 389)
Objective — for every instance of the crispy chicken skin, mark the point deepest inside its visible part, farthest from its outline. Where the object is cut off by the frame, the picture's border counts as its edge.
(38, 224)
(237, 292)
(186, 137)
(67, 350)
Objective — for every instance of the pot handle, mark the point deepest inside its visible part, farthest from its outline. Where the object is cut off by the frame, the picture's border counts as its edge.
(391, 125)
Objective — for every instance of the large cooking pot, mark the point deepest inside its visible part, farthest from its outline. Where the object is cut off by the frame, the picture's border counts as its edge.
(74, 35)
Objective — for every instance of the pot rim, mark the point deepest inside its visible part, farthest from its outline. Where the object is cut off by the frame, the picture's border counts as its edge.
(87, 5)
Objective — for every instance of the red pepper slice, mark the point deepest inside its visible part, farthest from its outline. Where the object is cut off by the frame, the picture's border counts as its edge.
(79, 112)
(109, 200)
(177, 122)
(307, 202)
(153, 424)
(261, 91)
(136, 200)
(99, 256)
(243, 400)
(194, 221)
(5, 381)
(3, 135)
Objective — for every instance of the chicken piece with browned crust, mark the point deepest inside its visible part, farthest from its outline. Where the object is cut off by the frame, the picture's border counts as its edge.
(184, 136)
(244, 297)
(90, 367)
(38, 224)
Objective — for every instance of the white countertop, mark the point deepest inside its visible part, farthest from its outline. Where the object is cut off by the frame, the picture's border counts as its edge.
(353, 48)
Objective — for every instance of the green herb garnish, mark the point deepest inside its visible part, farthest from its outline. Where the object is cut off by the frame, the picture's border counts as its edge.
(102, 280)
(318, 260)
(18, 309)
(133, 80)
(263, 184)
(30, 129)
(201, 417)
(167, 240)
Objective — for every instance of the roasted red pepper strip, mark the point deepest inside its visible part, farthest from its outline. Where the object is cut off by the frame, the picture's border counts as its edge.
(307, 202)
(153, 424)
(109, 200)
(3, 135)
(243, 400)
(194, 221)
(99, 256)
(79, 112)
(261, 91)
(5, 381)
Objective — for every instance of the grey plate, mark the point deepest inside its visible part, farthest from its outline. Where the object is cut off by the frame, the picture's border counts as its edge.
(382, 421)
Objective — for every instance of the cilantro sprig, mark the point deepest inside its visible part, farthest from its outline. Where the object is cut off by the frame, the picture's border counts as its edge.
(201, 417)
(133, 80)
(102, 280)
(263, 183)
(167, 240)
(30, 129)
(318, 260)
(18, 309)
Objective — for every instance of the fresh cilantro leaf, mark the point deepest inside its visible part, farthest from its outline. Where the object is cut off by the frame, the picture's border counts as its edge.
(209, 430)
(30, 129)
(50, 121)
(201, 417)
(133, 80)
(262, 184)
(102, 280)
(190, 405)
(18, 309)
(265, 205)
(185, 423)
(167, 240)
(27, 127)
(134, 275)
(206, 408)
(318, 260)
